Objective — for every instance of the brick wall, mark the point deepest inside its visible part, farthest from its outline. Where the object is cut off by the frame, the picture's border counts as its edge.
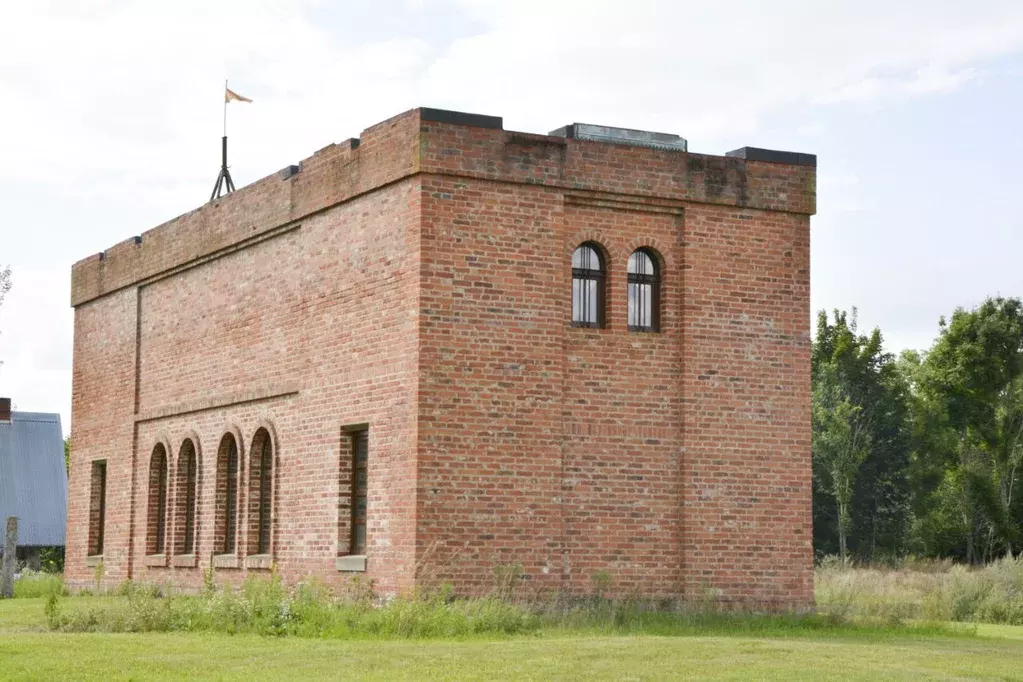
(102, 409)
(746, 388)
(303, 333)
(417, 281)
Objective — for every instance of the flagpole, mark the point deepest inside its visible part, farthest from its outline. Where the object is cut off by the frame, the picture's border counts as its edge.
(224, 181)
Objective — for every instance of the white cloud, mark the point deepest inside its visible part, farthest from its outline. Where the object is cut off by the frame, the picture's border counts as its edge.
(110, 111)
(711, 69)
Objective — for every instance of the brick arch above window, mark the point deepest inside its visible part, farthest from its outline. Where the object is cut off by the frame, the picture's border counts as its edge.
(663, 252)
(594, 236)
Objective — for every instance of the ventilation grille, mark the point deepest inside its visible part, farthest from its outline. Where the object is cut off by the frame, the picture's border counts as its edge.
(636, 138)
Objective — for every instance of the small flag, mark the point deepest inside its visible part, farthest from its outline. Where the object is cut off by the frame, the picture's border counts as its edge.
(230, 94)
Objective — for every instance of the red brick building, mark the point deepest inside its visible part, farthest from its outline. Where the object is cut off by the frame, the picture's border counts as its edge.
(444, 347)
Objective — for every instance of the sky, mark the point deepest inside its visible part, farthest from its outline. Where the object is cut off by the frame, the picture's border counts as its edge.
(111, 114)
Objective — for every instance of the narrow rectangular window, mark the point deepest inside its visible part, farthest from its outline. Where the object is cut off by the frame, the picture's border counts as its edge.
(360, 480)
(587, 287)
(231, 512)
(161, 501)
(643, 292)
(265, 499)
(189, 539)
(97, 507)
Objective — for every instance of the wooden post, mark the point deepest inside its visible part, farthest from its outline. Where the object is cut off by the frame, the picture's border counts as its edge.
(10, 558)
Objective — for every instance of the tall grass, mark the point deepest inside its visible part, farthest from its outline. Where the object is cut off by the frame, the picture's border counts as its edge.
(935, 590)
(38, 584)
(855, 600)
(267, 607)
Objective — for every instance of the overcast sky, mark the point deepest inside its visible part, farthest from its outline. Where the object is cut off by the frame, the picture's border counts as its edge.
(110, 118)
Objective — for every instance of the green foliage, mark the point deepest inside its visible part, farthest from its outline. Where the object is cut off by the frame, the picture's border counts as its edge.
(654, 646)
(38, 584)
(925, 453)
(860, 442)
(97, 576)
(51, 559)
(265, 607)
(968, 433)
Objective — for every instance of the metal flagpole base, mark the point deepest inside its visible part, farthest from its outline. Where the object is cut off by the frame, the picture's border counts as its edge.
(224, 184)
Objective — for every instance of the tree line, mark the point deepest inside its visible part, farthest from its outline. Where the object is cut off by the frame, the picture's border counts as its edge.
(919, 454)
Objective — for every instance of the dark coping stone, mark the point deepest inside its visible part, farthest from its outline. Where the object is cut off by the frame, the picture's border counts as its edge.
(288, 171)
(774, 156)
(460, 118)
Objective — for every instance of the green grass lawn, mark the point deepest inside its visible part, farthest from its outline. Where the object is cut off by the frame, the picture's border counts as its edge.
(28, 652)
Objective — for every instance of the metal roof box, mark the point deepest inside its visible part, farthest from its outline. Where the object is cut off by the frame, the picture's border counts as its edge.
(636, 138)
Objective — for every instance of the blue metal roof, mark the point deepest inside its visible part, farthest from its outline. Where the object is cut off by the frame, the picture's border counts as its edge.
(33, 481)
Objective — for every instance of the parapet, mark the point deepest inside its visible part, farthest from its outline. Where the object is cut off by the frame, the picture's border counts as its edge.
(435, 141)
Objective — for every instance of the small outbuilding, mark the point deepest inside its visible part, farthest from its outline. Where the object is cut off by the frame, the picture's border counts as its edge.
(33, 479)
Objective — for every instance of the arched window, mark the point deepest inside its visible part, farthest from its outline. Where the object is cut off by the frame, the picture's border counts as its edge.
(226, 527)
(260, 492)
(156, 528)
(644, 292)
(587, 286)
(185, 484)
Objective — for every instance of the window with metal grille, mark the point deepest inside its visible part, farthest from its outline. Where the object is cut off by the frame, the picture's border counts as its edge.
(644, 292)
(156, 531)
(360, 487)
(260, 493)
(186, 482)
(97, 507)
(587, 286)
(226, 527)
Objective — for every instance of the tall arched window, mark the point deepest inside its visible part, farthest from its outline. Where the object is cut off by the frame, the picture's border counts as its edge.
(226, 527)
(644, 292)
(156, 528)
(587, 286)
(185, 484)
(260, 492)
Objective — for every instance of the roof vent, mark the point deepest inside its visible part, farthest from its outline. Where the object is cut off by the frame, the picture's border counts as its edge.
(636, 138)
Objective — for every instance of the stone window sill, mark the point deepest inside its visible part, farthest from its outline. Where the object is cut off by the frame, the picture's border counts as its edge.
(156, 560)
(258, 561)
(184, 561)
(94, 560)
(225, 561)
(353, 563)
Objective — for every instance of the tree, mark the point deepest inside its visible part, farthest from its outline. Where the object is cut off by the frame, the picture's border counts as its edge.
(5, 282)
(970, 423)
(841, 443)
(849, 371)
(5, 285)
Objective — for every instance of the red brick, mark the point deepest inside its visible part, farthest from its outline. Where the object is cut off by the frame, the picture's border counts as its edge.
(418, 282)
